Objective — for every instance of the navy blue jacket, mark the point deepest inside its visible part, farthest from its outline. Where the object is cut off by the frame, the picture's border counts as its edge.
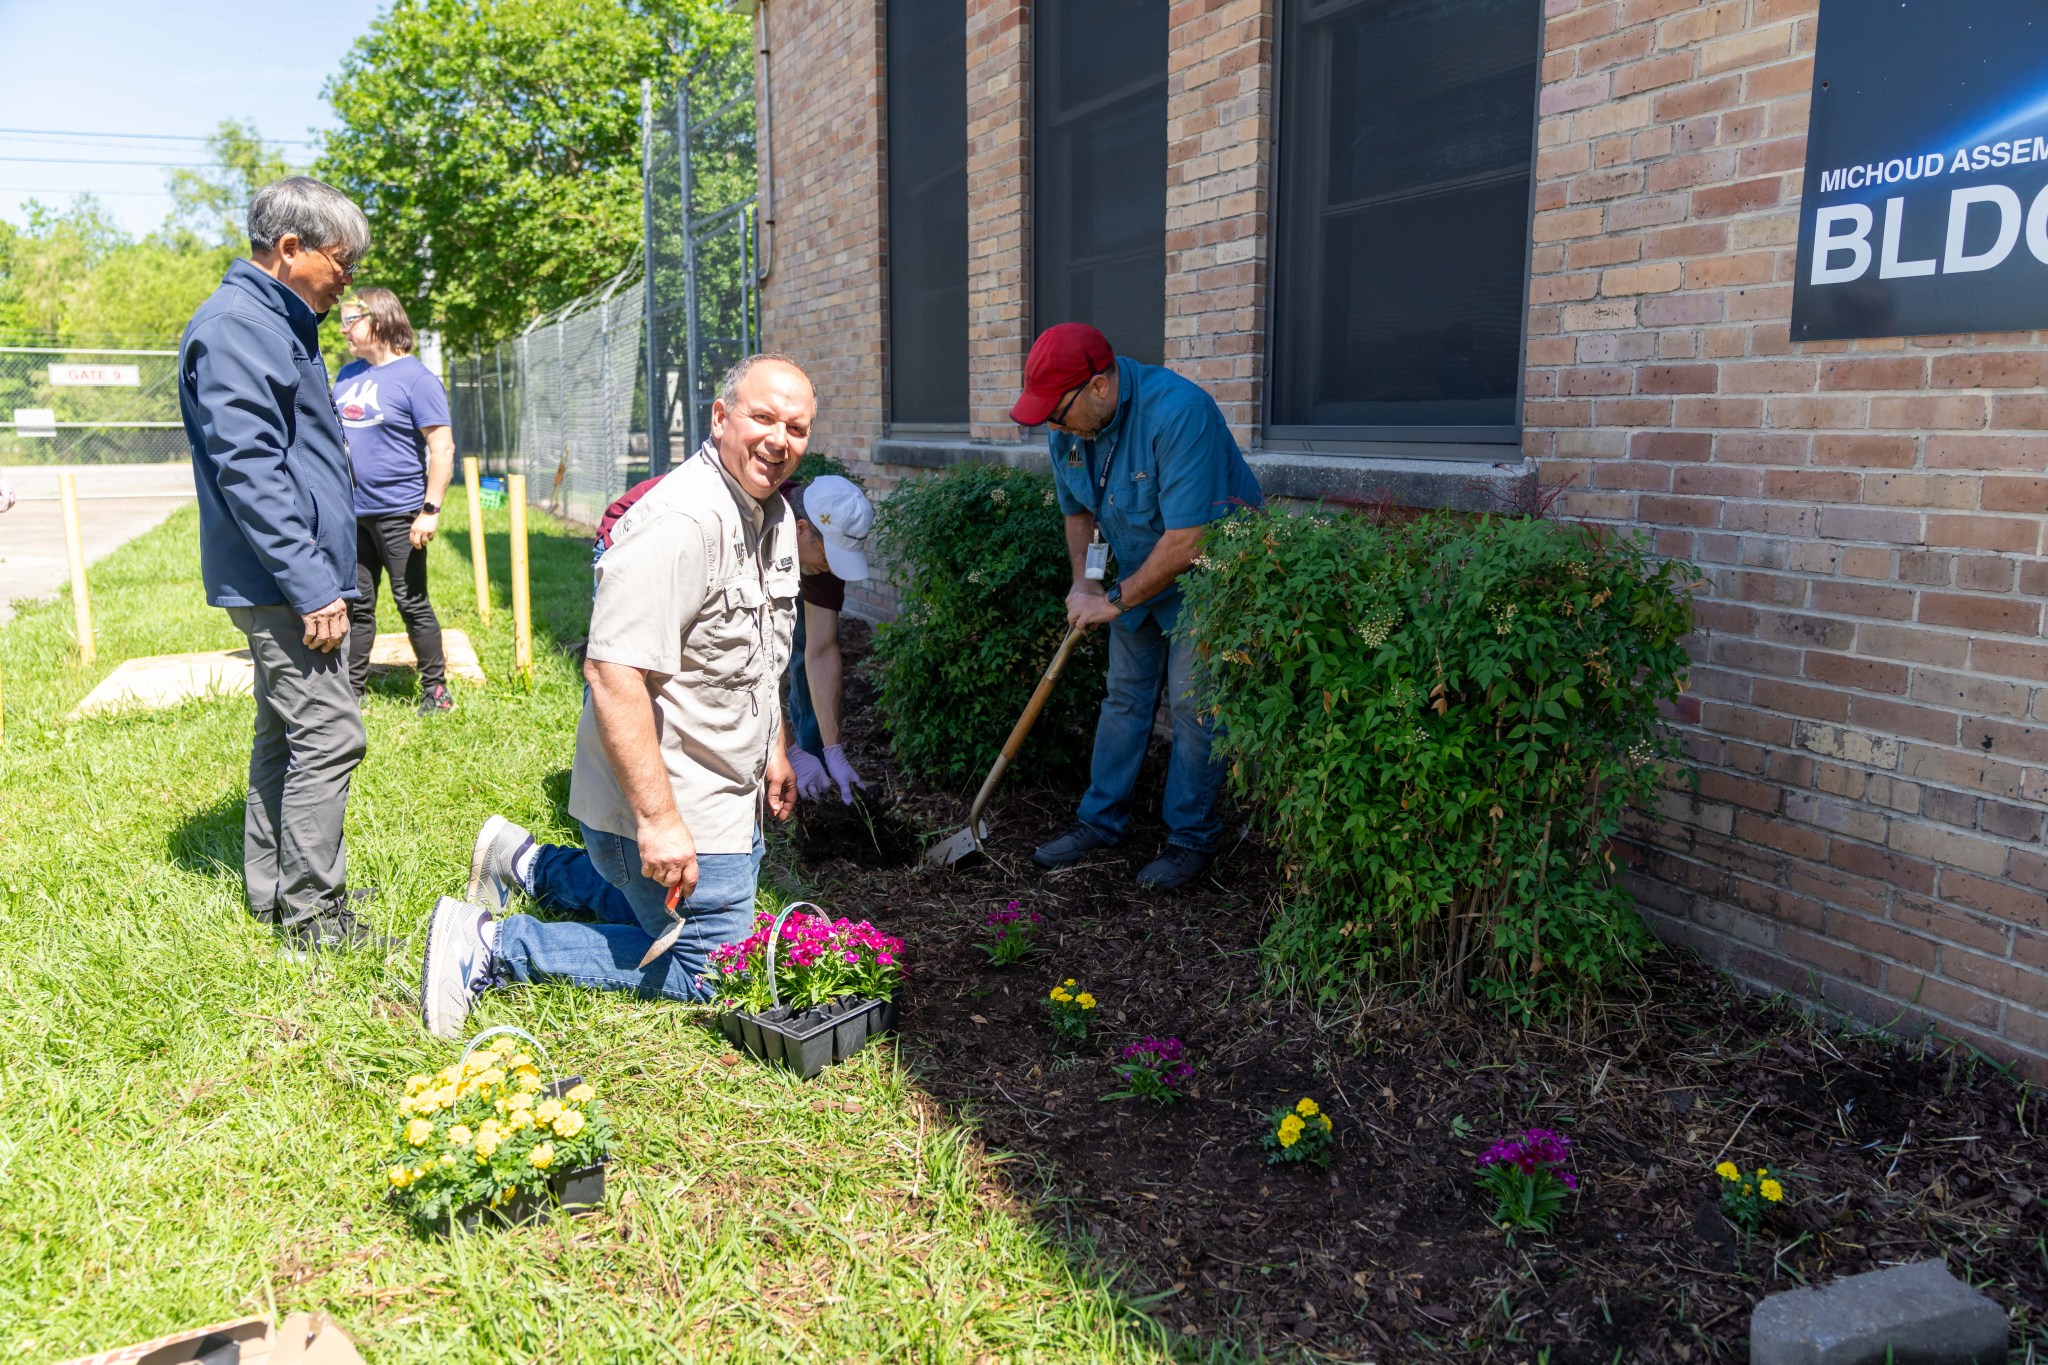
(276, 499)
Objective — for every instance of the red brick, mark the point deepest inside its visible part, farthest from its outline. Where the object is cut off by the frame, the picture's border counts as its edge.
(2003, 615)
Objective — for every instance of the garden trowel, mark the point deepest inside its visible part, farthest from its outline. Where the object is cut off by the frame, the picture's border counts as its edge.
(967, 842)
(674, 930)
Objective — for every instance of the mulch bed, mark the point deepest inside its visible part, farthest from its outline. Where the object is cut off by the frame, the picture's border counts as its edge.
(1897, 1152)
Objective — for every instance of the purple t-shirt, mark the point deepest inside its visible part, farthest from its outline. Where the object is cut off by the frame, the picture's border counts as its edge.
(386, 409)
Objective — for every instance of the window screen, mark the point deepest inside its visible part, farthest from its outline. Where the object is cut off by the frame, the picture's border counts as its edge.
(1402, 221)
(1099, 170)
(927, 55)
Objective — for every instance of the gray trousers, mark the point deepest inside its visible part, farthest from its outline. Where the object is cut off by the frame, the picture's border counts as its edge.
(309, 738)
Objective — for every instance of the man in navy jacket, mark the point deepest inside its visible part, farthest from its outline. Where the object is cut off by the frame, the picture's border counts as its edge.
(277, 545)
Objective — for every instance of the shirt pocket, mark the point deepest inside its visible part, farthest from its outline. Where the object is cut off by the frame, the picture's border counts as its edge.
(736, 639)
(785, 588)
(1134, 493)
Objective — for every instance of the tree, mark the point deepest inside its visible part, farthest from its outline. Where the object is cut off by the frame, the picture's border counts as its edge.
(495, 145)
(212, 206)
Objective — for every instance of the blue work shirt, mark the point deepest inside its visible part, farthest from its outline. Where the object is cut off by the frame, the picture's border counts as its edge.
(277, 522)
(1172, 464)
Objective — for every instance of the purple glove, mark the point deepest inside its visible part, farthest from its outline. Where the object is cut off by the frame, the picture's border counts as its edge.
(811, 780)
(842, 772)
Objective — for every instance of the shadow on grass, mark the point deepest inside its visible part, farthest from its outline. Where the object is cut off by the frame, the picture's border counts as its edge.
(208, 840)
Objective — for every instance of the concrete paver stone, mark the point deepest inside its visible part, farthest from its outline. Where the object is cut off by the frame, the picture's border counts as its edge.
(1915, 1314)
(169, 679)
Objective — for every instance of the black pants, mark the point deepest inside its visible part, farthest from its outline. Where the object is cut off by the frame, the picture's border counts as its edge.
(385, 542)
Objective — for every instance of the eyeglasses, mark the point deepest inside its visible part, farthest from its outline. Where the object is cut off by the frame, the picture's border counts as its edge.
(1059, 416)
(348, 272)
(349, 320)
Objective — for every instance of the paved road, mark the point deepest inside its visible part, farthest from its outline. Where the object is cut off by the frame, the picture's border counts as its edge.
(116, 503)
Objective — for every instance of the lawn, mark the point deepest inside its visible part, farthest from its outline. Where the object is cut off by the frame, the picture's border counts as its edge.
(191, 1124)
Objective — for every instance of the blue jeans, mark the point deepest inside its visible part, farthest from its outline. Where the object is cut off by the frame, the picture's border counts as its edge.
(803, 717)
(603, 878)
(1140, 662)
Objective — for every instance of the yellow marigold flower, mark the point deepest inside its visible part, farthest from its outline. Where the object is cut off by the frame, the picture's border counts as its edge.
(415, 1084)
(418, 1131)
(527, 1079)
(419, 1172)
(542, 1156)
(521, 1060)
(519, 1101)
(445, 1097)
(1059, 993)
(1761, 1171)
(1068, 982)
(546, 1110)
(1726, 1170)
(460, 1135)
(1748, 1188)
(521, 1119)
(447, 1075)
(447, 1158)
(401, 1176)
(1307, 1108)
(581, 1094)
(1290, 1131)
(1085, 1000)
(1325, 1120)
(503, 1045)
(404, 1107)
(1773, 1191)
(490, 1076)
(570, 1123)
(486, 1146)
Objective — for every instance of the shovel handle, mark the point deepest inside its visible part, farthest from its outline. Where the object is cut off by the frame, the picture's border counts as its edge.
(1023, 726)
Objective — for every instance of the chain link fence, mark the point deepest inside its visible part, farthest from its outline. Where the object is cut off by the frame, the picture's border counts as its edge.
(60, 405)
(592, 398)
(561, 403)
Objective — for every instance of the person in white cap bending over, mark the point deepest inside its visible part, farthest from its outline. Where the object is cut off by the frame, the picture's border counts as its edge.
(832, 523)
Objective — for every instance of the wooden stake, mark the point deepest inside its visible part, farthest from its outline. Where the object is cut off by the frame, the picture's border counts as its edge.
(522, 599)
(477, 562)
(74, 547)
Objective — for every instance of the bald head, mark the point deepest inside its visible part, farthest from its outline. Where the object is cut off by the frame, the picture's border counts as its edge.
(761, 422)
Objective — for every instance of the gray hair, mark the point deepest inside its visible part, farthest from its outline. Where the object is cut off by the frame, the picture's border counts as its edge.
(319, 215)
(729, 387)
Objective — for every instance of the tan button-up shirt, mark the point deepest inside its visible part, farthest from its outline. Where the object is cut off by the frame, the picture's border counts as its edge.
(699, 590)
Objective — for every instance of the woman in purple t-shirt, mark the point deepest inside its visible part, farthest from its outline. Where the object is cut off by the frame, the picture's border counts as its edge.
(403, 452)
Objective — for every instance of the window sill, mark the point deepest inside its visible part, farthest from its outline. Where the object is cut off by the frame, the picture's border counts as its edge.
(1463, 485)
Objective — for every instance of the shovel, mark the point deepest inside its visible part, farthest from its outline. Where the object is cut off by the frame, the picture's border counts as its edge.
(672, 933)
(967, 842)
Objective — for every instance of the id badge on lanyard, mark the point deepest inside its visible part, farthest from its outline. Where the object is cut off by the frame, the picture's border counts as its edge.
(1096, 566)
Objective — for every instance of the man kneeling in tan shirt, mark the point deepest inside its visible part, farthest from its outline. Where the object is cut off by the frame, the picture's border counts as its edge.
(680, 746)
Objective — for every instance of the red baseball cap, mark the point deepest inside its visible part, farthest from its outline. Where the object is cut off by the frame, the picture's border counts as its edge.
(1062, 359)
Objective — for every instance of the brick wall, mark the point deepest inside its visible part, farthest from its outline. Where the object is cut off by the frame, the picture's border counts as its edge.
(824, 299)
(1219, 171)
(1869, 713)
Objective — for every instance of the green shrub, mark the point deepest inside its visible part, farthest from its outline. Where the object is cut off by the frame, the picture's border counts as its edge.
(1444, 722)
(980, 555)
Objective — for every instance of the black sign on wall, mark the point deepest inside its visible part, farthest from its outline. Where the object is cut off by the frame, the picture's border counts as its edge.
(1926, 200)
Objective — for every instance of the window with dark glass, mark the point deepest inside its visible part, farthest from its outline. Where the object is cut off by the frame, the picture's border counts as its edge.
(1099, 169)
(1407, 137)
(927, 82)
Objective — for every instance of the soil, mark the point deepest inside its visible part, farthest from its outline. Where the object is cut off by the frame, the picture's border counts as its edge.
(1897, 1151)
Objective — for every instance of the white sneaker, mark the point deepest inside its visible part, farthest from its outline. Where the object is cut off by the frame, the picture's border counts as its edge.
(494, 863)
(461, 939)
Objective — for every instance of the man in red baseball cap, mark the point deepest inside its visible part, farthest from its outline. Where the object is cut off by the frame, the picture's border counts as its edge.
(1143, 462)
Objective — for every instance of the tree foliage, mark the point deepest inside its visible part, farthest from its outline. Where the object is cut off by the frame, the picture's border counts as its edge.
(495, 145)
(73, 277)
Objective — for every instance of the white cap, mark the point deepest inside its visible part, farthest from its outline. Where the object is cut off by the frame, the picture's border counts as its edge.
(842, 517)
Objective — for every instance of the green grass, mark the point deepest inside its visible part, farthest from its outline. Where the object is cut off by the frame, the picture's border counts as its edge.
(190, 1124)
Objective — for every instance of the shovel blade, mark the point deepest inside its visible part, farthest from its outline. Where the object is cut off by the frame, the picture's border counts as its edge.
(957, 846)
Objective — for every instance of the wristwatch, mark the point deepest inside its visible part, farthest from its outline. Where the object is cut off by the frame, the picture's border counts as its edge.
(1115, 597)
(432, 509)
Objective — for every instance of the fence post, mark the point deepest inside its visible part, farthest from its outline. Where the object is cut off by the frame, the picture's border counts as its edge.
(657, 434)
(476, 540)
(522, 600)
(696, 424)
(74, 548)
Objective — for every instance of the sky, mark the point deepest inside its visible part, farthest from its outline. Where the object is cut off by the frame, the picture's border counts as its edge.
(166, 68)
